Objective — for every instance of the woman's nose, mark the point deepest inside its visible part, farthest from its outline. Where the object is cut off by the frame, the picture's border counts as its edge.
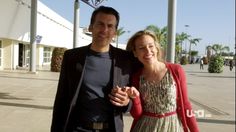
(148, 50)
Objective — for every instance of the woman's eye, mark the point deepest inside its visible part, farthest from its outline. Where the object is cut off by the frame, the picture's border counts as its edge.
(141, 48)
(151, 46)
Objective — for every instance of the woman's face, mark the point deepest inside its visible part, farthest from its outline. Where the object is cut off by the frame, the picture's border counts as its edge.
(145, 49)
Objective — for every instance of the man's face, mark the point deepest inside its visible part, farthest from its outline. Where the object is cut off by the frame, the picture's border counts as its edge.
(103, 29)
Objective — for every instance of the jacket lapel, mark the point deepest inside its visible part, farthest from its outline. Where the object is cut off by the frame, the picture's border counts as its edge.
(116, 70)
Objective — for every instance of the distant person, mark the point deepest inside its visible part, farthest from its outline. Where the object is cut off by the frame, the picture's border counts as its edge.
(88, 75)
(201, 64)
(231, 65)
(192, 60)
(197, 60)
(160, 100)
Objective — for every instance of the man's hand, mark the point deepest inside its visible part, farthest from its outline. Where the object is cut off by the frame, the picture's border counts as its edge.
(119, 96)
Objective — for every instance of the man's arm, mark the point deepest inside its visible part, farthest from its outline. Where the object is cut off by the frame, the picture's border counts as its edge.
(119, 96)
(61, 104)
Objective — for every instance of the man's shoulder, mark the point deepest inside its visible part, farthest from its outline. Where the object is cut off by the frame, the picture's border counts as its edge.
(77, 50)
(120, 50)
(122, 53)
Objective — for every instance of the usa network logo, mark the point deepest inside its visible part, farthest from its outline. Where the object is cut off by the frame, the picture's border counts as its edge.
(197, 113)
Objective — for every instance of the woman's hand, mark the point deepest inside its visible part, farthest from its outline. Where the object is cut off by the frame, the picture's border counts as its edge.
(132, 92)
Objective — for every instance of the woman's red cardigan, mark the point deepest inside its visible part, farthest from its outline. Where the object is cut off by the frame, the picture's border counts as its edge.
(183, 104)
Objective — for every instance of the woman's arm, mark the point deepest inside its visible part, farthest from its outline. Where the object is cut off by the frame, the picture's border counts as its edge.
(191, 121)
(136, 109)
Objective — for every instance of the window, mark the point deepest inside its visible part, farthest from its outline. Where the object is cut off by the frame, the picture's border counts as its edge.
(46, 55)
(0, 52)
(27, 55)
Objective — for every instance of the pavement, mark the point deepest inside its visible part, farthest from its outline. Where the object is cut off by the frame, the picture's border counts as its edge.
(26, 99)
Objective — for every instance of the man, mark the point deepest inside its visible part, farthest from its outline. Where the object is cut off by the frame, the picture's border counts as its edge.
(84, 101)
(231, 65)
(201, 64)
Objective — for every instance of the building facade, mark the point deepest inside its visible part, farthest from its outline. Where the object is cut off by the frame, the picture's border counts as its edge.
(52, 29)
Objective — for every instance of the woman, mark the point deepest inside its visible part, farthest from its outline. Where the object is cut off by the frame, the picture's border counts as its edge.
(163, 102)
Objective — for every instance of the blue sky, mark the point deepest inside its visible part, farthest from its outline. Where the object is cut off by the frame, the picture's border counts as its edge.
(211, 20)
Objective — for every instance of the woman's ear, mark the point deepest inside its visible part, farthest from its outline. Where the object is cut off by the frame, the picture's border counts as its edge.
(135, 54)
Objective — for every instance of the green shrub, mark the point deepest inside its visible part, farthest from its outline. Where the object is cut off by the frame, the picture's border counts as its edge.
(184, 60)
(216, 64)
(56, 60)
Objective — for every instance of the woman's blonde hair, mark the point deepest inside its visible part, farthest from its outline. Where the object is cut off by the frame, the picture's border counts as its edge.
(131, 42)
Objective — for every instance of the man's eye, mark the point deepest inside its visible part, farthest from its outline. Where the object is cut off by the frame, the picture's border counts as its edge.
(99, 24)
(111, 26)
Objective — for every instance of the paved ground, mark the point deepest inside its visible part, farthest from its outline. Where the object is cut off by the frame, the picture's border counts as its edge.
(26, 100)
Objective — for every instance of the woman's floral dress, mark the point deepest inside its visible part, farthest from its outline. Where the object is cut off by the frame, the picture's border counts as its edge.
(158, 98)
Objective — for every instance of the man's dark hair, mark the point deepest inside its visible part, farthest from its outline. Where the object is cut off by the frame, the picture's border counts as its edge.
(106, 10)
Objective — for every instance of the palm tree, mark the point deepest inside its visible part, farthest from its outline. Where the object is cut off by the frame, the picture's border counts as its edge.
(193, 41)
(177, 53)
(218, 48)
(209, 51)
(180, 38)
(119, 32)
(161, 34)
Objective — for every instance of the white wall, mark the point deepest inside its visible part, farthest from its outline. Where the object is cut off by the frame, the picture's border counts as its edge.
(15, 24)
(7, 54)
(15, 28)
(54, 29)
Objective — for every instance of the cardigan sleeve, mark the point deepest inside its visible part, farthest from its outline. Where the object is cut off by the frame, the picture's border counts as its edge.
(136, 109)
(191, 121)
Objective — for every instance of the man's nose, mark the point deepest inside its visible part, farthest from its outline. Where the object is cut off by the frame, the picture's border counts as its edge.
(104, 28)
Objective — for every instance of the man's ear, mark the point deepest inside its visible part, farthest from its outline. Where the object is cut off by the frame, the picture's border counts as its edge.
(114, 36)
(90, 28)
